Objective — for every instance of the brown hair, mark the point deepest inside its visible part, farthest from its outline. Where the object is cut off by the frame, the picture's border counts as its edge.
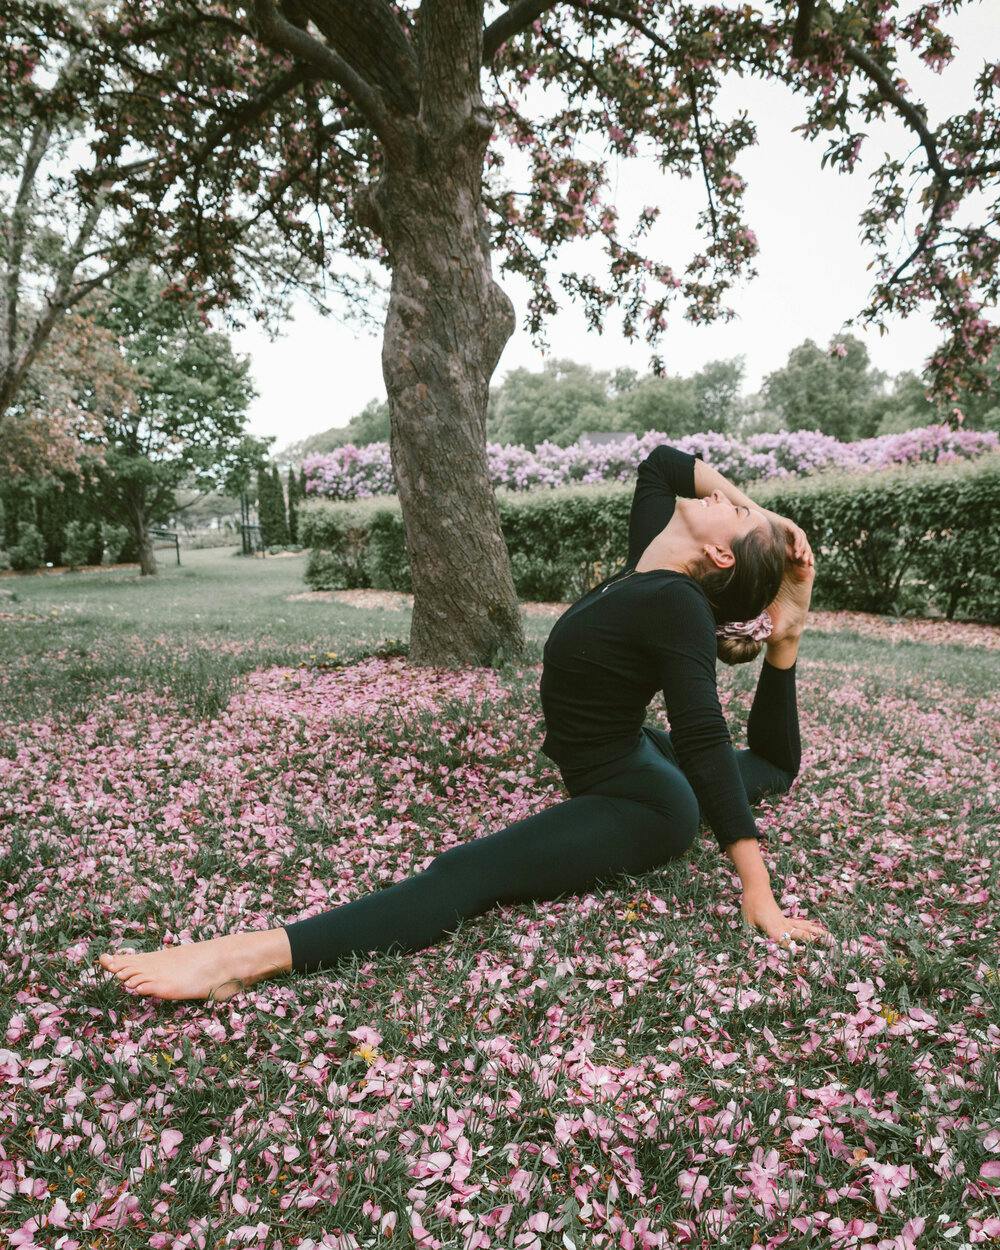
(745, 590)
(737, 650)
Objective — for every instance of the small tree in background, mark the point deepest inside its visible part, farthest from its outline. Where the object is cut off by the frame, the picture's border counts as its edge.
(265, 513)
(834, 391)
(187, 424)
(293, 506)
(271, 508)
(278, 503)
(78, 542)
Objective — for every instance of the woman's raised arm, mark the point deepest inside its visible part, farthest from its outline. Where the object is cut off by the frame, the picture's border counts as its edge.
(707, 479)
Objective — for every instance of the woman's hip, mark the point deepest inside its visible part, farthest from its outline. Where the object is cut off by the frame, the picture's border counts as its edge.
(647, 774)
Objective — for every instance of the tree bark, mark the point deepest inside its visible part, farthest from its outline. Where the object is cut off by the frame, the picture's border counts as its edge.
(144, 541)
(447, 324)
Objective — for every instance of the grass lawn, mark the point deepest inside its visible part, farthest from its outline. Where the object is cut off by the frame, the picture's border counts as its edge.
(191, 754)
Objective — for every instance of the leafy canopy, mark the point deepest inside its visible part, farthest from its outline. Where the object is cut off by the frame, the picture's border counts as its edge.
(239, 141)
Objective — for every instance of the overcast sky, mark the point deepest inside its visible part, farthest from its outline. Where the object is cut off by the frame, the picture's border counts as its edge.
(811, 265)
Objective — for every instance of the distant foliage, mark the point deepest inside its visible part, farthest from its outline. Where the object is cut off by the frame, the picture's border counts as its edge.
(29, 551)
(293, 506)
(79, 542)
(359, 473)
(271, 508)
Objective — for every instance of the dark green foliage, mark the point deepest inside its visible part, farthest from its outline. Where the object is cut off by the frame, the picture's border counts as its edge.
(278, 504)
(53, 505)
(18, 508)
(78, 542)
(834, 390)
(293, 506)
(911, 539)
(116, 540)
(29, 550)
(264, 510)
(271, 508)
(904, 539)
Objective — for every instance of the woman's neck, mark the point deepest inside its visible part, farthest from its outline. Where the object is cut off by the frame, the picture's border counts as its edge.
(670, 549)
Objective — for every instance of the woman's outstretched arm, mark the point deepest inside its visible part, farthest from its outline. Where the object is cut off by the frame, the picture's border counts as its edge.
(759, 907)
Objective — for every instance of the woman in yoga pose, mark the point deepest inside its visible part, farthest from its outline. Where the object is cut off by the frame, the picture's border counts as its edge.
(709, 575)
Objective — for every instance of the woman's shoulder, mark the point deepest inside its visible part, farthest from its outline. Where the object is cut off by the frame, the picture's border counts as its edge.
(679, 588)
(676, 608)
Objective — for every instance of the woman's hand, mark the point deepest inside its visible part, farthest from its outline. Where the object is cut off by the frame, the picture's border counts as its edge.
(796, 536)
(761, 911)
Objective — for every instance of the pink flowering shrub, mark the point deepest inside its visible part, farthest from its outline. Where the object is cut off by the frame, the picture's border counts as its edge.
(361, 472)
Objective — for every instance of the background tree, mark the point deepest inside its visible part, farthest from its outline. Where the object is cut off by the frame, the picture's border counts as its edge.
(370, 425)
(187, 425)
(249, 455)
(668, 404)
(370, 119)
(280, 530)
(265, 506)
(717, 389)
(904, 406)
(271, 507)
(832, 391)
(61, 235)
(556, 404)
(53, 428)
(293, 506)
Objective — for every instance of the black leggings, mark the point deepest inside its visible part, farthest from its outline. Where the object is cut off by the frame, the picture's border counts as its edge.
(626, 817)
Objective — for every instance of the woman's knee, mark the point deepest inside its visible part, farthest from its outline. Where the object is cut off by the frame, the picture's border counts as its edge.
(678, 822)
(688, 819)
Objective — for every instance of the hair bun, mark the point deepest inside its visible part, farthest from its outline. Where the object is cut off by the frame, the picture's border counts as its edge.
(757, 629)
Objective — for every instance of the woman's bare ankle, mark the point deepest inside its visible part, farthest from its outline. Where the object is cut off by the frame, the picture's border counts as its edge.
(267, 953)
(784, 652)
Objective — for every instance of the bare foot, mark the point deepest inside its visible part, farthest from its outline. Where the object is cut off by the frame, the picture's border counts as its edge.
(790, 607)
(216, 969)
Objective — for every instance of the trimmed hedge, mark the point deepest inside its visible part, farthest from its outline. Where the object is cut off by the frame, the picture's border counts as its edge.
(910, 539)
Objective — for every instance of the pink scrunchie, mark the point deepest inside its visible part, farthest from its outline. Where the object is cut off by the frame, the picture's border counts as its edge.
(758, 629)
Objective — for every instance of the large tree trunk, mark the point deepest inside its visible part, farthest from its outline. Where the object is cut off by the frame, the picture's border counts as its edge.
(447, 324)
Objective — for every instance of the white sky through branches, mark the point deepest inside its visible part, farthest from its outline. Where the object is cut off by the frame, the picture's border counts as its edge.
(811, 265)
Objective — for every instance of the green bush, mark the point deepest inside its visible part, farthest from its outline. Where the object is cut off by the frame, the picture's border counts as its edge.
(115, 540)
(77, 543)
(29, 550)
(912, 539)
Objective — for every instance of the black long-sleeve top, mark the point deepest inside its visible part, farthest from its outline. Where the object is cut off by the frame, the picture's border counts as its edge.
(609, 653)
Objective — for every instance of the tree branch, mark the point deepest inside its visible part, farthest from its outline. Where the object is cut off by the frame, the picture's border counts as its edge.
(891, 94)
(609, 10)
(911, 114)
(518, 17)
(278, 32)
(368, 35)
(585, 69)
(16, 232)
(701, 153)
(803, 25)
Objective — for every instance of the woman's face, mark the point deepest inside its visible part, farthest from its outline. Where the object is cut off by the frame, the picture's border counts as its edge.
(715, 521)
